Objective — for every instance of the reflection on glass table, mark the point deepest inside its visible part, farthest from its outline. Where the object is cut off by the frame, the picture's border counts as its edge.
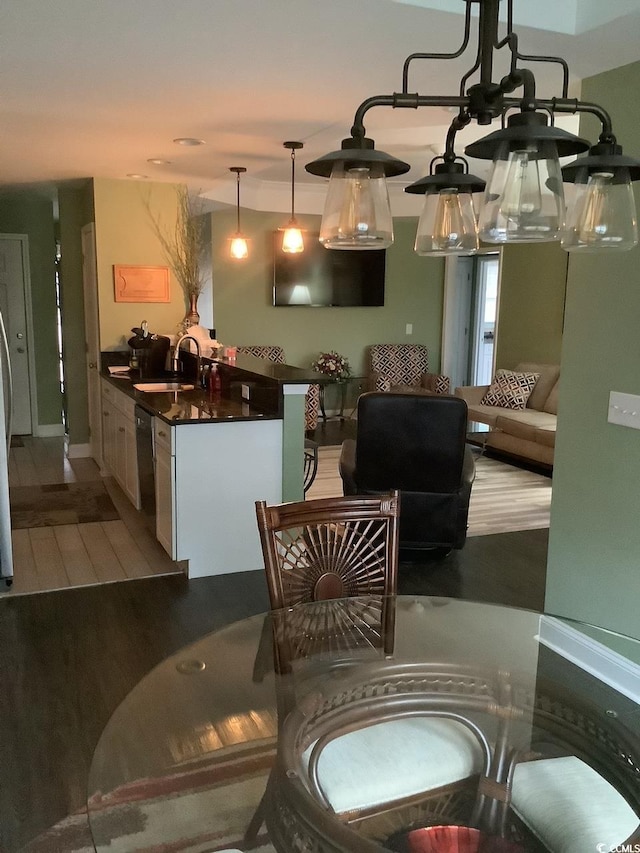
(386, 719)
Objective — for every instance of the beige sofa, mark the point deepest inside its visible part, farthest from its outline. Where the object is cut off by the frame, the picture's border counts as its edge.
(529, 433)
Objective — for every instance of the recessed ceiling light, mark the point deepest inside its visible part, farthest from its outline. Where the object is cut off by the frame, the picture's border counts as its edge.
(136, 175)
(188, 140)
(157, 161)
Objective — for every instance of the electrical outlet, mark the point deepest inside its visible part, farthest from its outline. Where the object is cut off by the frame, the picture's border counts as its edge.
(408, 329)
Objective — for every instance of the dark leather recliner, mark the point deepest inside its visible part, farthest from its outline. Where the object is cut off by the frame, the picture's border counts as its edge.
(414, 443)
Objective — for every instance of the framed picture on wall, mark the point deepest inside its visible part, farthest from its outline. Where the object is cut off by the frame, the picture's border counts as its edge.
(140, 284)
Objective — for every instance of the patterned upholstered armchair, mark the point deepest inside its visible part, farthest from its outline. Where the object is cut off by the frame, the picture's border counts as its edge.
(312, 399)
(403, 367)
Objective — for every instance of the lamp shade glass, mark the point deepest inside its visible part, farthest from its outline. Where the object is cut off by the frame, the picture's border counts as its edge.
(603, 215)
(447, 224)
(524, 201)
(357, 214)
(292, 240)
(238, 247)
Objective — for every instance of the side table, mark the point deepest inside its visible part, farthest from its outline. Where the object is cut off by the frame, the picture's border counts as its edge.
(342, 385)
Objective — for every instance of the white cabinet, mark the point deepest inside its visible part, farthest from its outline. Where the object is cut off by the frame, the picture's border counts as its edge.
(119, 452)
(164, 460)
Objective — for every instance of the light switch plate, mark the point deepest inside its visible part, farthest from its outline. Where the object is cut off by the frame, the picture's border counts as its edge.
(624, 409)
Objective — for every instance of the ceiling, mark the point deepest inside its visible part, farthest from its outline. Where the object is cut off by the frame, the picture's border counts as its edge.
(96, 88)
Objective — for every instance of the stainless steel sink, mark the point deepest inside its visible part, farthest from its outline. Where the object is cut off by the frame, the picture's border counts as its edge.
(159, 387)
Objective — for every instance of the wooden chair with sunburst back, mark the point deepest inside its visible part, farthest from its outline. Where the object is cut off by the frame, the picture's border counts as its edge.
(331, 548)
(342, 549)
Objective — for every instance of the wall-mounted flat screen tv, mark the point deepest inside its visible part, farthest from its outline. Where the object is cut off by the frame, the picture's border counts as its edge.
(327, 277)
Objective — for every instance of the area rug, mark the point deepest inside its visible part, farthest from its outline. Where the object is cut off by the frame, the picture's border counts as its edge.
(60, 503)
(504, 498)
(202, 808)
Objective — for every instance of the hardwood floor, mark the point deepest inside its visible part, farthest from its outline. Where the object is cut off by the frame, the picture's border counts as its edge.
(70, 555)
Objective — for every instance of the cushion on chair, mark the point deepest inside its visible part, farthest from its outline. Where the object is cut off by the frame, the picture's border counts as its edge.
(570, 807)
(510, 389)
(396, 759)
(398, 364)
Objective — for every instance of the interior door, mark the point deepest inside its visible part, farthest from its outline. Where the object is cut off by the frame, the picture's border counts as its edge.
(14, 306)
(456, 333)
(92, 339)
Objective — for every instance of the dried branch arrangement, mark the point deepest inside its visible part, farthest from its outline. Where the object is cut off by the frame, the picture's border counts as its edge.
(184, 248)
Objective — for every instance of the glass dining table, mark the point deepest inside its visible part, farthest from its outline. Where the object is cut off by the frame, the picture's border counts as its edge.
(413, 724)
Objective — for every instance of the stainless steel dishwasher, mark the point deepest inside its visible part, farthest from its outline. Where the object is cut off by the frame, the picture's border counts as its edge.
(146, 467)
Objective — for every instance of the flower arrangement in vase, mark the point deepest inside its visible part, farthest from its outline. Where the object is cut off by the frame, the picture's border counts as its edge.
(333, 365)
(184, 249)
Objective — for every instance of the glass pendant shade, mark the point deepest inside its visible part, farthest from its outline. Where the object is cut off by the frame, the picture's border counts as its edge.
(357, 214)
(524, 201)
(238, 248)
(292, 239)
(603, 216)
(447, 224)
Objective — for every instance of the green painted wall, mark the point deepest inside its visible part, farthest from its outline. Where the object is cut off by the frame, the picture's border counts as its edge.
(29, 212)
(594, 549)
(124, 235)
(75, 210)
(531, 310)
(243, 313)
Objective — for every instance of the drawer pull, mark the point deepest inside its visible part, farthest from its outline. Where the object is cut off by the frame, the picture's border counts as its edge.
(120, 429)
(162, 433)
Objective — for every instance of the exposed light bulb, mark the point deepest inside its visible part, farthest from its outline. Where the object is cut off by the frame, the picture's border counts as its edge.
(292, 240)
(239, 249)
(447, 224)
(522, 193)
(358, 216)
(603, 215)
(524, 200)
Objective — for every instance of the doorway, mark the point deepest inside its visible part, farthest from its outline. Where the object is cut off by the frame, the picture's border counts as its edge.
(470, 318)
(15, 305)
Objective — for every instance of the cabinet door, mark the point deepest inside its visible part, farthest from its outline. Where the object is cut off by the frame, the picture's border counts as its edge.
(165, 489)
(130, 482)
(109, 427)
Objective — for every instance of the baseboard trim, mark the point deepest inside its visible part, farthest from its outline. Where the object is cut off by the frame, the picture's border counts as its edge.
(48, 430)
(78, 451)
(594, 657)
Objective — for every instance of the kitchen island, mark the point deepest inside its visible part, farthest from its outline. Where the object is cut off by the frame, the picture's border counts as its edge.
(214, 455)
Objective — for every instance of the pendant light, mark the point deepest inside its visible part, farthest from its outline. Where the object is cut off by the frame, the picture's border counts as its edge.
(524, 198)
(603, 214)
(238, 247)
(292, 240)
(447, 225)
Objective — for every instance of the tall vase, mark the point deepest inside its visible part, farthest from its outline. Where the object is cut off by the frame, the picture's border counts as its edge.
(192, 318)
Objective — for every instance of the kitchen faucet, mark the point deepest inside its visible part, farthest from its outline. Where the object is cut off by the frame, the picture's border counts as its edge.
(175, 362)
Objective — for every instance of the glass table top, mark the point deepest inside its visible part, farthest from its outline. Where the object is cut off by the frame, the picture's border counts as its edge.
(187, 757)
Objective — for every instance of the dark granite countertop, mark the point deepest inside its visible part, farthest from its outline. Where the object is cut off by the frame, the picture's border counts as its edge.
(198, 406)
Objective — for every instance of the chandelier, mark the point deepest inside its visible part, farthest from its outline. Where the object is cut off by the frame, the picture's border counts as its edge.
(523, 199)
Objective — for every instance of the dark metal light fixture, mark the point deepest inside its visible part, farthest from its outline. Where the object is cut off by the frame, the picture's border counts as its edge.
(292, 239)
(238, 247)
(524, 200)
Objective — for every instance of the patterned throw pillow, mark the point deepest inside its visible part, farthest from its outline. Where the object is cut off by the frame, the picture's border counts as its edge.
(509, 389)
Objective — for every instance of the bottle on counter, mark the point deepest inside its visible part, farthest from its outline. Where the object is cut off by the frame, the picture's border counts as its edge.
(215, 381)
